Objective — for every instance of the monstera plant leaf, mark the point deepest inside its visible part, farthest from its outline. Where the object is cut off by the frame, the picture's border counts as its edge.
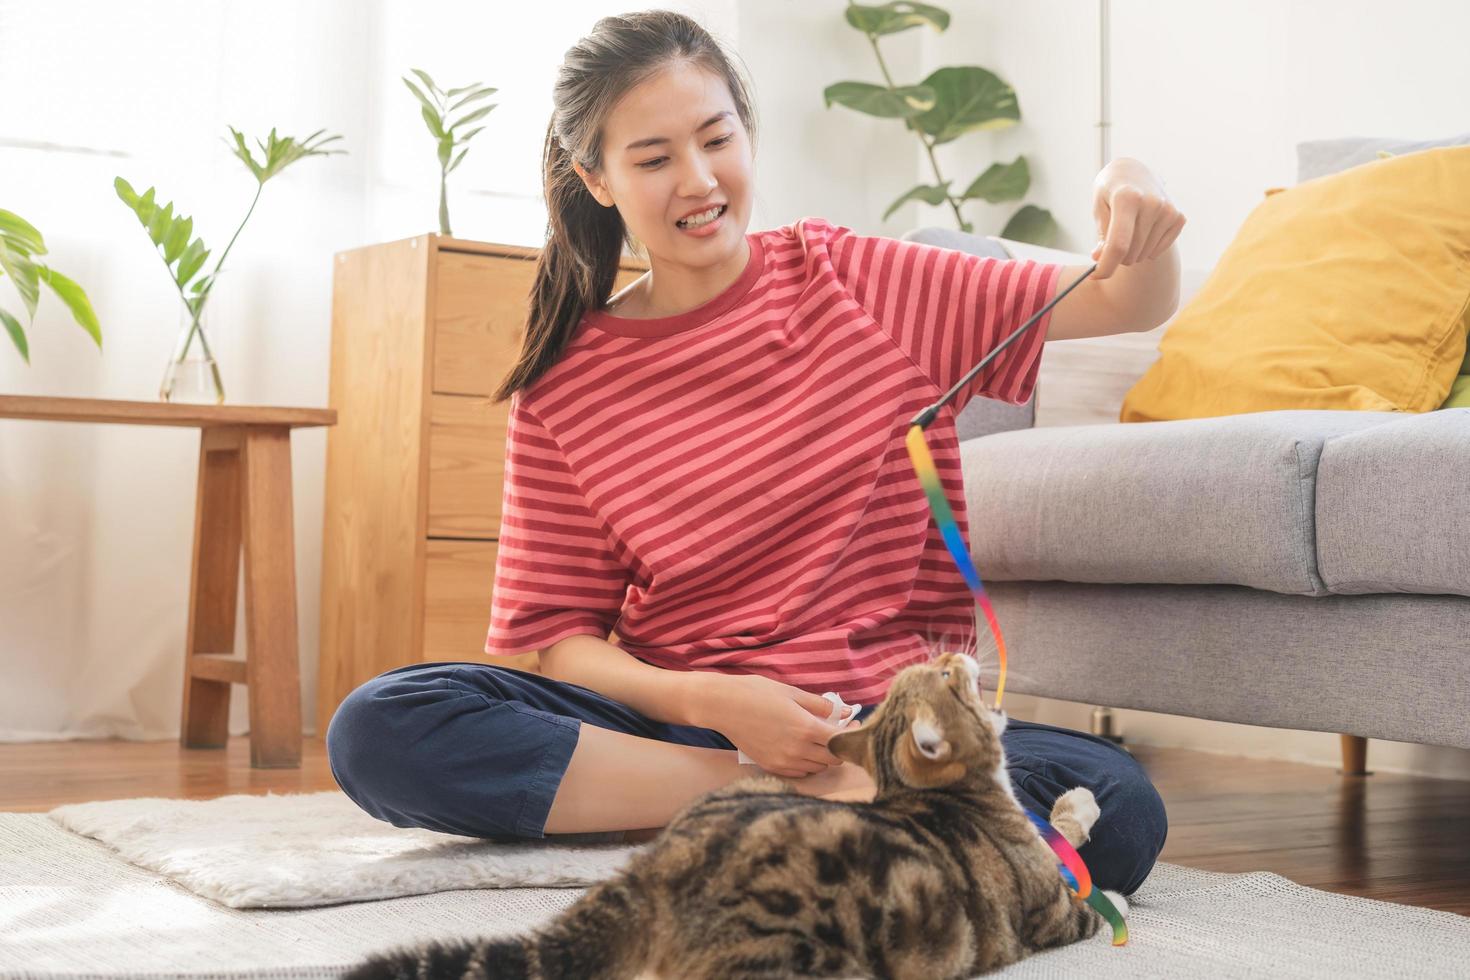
(1001, 182)
(1031, 224)
(890, 18)
(879, 100)
(928, 193)
(969, 99)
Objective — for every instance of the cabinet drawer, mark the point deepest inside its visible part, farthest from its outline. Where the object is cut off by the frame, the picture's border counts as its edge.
(479, 312)
(466, 466)
(458, 578)
(479, 316)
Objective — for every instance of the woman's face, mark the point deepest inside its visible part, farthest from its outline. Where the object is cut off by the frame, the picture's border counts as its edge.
(701, 158)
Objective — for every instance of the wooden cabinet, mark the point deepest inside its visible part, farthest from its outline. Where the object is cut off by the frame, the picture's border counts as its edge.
(423, 332)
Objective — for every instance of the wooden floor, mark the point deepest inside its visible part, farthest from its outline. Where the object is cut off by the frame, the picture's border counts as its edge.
(1386, 836)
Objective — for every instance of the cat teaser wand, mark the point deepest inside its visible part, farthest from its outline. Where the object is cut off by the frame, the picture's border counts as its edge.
(1073, 870)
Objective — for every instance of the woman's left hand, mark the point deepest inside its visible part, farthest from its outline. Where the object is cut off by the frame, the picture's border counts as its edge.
(1136, 221)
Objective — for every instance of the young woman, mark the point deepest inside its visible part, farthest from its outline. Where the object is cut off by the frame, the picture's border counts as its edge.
(712, 461)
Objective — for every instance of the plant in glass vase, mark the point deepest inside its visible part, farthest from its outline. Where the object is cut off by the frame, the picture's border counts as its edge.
(436, 116)
(197, 378)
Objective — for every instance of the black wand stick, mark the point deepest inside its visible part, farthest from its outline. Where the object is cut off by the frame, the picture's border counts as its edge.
(923, 419)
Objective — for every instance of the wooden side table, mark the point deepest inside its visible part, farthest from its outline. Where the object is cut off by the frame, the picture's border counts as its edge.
(244, 499)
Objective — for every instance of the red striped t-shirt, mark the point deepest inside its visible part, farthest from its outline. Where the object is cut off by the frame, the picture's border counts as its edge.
(729, 489)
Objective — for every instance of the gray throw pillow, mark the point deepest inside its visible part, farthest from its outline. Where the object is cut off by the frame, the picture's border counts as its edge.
(1318, 158)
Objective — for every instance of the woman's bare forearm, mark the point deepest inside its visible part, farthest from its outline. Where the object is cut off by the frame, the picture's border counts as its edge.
(671, 696)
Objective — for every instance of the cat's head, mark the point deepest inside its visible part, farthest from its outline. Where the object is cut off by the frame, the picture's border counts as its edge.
(931, 730)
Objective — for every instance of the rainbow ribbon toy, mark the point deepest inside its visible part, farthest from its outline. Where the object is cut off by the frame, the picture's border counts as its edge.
(1074, 872)
(1072, 869)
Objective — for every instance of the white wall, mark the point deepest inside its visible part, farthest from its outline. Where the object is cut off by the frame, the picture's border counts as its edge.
(96, 521)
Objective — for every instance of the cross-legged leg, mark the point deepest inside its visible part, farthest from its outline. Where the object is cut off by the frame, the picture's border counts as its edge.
(1045, 761)
(482, 751)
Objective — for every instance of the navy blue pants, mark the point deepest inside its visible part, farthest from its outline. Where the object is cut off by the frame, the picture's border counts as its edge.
(472, 749)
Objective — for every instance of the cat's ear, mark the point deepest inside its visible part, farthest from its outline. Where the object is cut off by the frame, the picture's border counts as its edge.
(853, 745)
(925, 758)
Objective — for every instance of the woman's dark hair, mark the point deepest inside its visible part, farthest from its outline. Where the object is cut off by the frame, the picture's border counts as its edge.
(577, 267)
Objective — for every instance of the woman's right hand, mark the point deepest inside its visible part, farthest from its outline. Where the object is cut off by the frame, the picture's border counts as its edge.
(782, 728)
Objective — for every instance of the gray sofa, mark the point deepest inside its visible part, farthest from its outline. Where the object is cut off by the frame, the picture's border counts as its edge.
(1295, 569)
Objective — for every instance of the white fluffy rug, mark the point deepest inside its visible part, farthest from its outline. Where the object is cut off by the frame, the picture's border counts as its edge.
(71, 907)
(299, 850)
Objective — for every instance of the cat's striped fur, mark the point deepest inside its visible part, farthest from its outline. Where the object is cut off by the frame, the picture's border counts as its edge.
(941, 876)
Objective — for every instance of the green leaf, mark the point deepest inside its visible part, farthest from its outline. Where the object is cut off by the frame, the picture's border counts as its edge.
(17, 335)
(477, 114)
(176, 239)
(168, 231)
(1031, 224)
(23, 271)
(463, 138)
(457, 159)
(71, 294)
(280, 152)
(433, 123)
(1001, 182)
(427, 80)
(191, 261)
(446, 147)
(968, 98)
(879, 100)
(243, 152)
(890, 18)
(20, 234)
(472, 97)
(126, 193)
(928, 193)
(428, 104)
(160, 222)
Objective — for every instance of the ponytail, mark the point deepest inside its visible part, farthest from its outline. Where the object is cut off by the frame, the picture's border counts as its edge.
(575, 271)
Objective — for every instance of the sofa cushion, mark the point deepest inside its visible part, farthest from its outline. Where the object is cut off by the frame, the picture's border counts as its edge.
(1220, 500)
(1393, 514)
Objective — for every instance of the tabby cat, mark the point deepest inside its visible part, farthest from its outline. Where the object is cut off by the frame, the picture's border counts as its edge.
(941, 875)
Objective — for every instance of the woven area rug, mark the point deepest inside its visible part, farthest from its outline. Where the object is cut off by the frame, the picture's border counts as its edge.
(72, 907)
(299, 850)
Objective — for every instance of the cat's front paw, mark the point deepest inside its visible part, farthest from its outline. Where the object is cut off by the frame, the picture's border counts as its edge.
(1074, 813)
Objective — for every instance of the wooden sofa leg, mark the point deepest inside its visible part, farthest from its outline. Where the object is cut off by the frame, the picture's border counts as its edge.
(1354, 755)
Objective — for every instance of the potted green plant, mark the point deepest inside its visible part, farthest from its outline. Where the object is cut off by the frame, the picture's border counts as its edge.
(436, 113)
(943, 107)
(20, 242)
(197, 378)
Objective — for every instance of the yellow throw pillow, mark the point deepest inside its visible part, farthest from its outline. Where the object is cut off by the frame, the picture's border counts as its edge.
(1344, 292)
